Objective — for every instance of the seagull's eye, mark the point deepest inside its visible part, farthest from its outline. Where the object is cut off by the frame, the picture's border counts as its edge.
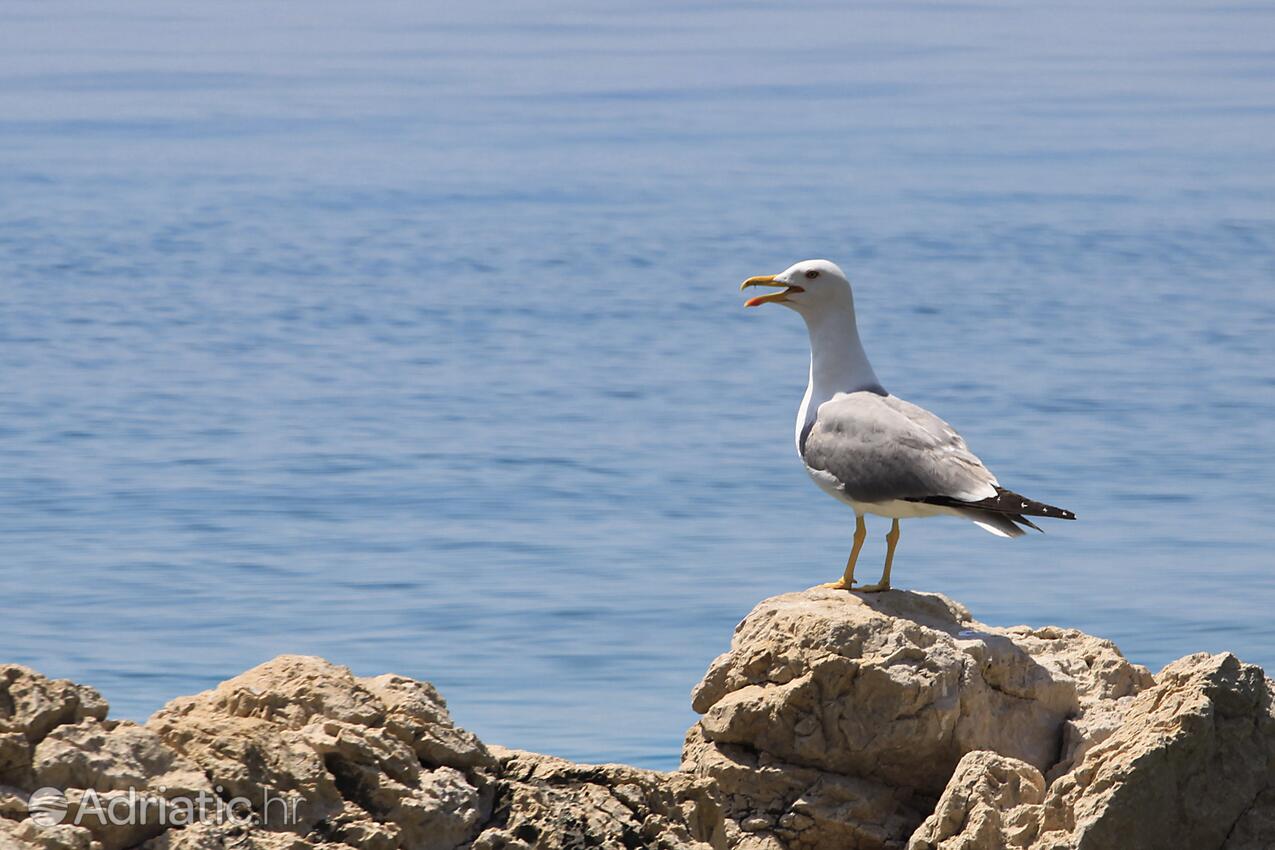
(811, 275)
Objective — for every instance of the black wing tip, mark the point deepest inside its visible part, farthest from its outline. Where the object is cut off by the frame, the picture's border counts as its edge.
(1004, 502)
(1025, 522)
(1004, 499)
(1051, 512)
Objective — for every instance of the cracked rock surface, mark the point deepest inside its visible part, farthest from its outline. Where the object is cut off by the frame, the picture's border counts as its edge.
(896, 720)
(365, 763)
(835, 720)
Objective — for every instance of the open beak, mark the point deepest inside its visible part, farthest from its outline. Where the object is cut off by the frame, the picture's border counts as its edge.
(776, 297)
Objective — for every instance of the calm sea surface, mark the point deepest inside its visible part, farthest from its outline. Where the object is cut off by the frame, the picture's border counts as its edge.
(408, 334)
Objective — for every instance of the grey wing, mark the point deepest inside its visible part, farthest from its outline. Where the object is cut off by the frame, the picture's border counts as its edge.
(881, 448)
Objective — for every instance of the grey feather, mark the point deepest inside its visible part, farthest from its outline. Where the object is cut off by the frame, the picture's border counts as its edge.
(881, 448)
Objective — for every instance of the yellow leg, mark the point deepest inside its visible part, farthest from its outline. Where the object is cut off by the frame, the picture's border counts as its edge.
(846, 582)
(891, 540)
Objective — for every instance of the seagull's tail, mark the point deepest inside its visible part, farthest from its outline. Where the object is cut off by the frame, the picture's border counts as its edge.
(1002, 525)
(1002, 514)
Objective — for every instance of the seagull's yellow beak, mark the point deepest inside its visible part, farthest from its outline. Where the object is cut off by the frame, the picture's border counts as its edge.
(768, 280)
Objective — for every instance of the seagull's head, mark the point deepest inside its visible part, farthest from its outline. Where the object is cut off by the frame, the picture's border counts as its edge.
(809, 287)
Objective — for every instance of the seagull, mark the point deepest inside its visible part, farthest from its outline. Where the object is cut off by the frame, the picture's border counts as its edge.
(874, 451)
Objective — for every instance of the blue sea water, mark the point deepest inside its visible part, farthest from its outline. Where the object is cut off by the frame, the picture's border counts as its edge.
(407, 334)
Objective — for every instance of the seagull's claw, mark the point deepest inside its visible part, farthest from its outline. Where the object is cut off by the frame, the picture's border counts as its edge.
(839, 584)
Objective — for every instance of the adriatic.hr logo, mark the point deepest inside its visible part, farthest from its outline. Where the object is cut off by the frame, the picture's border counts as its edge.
(49, 807)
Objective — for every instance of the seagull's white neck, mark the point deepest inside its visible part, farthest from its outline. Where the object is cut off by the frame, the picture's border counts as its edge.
(838, 363)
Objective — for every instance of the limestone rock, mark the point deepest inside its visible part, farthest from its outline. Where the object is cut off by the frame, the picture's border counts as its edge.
(374, 764)
(32, 706)
(1255, 828)
(774, 804)
(1192, 765)
(96, 763)
(114, 756)
(25, 835)
(991, 803)
(892, 690)
(551, 804)
(209, 836)
(13, 803)
(115, 820)
(15, 756)
(369, 762)
(415, 712)
(835, 722)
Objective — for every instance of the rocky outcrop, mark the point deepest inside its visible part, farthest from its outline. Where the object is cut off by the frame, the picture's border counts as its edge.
(1192, 765)
(835, 720)
(545, 802)
(301, 754)
(1197, 750)
(991, 801)
(879, 697)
